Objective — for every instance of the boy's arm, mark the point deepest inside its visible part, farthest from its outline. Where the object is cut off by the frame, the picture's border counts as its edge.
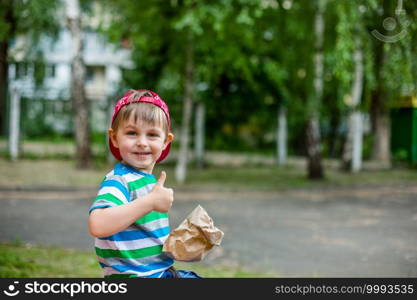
(108, 221)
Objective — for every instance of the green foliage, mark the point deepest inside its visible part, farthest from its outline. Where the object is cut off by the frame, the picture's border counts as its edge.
(32, 18)
(250, 57)
(253, 56)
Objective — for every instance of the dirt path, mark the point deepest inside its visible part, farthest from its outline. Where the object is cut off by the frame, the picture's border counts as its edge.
(349, 232)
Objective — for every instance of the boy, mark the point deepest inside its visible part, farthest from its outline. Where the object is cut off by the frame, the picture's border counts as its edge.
(129, 217)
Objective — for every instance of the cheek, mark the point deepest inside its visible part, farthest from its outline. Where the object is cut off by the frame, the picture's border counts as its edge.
(125, 144)
(158, 146)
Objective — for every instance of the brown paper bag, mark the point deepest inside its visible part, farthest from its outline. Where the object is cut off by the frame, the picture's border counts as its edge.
(193, 238)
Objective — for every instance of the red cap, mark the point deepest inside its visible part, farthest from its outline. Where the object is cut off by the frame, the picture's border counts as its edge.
(156, 100)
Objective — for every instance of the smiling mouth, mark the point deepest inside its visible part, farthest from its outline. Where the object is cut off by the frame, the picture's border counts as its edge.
(141, 153)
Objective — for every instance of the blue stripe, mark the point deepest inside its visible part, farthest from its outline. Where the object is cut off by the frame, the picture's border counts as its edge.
(117, 185)
(143, 268)
(122, 169)
(137, 235)
(98, 206)
(155, 275)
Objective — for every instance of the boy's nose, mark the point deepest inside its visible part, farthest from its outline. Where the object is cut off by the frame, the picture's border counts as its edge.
(141, 141)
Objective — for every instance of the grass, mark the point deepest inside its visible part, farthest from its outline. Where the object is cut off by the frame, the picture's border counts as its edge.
(278, 178)
(253, 171)
(24, 260)
(53, 173)
(20, 260)
(62, 173)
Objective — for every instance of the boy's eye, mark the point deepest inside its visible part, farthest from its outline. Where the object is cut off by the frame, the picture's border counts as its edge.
(153, 134)
(131, 133)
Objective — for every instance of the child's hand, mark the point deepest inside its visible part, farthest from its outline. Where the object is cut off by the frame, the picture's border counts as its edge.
(163, 197)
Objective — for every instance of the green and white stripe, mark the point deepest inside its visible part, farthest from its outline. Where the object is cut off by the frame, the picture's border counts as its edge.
(137, 250)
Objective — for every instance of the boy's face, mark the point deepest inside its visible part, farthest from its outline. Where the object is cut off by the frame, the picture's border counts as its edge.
(140, 143)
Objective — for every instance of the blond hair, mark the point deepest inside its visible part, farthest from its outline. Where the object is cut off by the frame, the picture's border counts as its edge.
(146, 112)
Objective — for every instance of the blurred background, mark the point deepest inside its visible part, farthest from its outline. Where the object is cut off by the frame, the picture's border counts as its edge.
(295, 125)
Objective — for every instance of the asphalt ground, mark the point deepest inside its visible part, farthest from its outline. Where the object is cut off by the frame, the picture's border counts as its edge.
(332, 232)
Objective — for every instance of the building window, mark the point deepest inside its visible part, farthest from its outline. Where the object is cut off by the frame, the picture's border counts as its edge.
(50, 71)
(21, 70)
(89, 78)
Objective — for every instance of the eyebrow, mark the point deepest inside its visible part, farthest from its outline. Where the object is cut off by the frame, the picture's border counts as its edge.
(128, 126)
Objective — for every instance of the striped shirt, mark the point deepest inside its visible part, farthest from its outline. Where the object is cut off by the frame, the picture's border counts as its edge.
(137, 250)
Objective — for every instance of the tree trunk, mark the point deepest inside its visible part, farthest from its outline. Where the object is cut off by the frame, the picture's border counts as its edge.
(381, 149)
(315, 169)
(80, 102)
(313, 143)
(282, 136)
(357, 142)
(181, 168)
(14, 127)
(379, 114)
(379, 109)
(352, 156)
(4, 82)
(380, 128)
(7, 8)
(109, 113)
(199, 134)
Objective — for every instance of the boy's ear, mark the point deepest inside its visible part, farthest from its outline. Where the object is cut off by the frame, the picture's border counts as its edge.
(169, 139)
(112, 136)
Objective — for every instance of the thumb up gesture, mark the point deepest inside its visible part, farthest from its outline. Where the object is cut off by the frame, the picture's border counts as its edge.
(162, 196)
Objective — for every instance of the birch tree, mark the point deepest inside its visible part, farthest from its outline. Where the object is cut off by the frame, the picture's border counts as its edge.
(181, 167)
(199, 136)
(349, 52)
(352, 156)
(282, 132)
(313, 141)
(79, 100)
